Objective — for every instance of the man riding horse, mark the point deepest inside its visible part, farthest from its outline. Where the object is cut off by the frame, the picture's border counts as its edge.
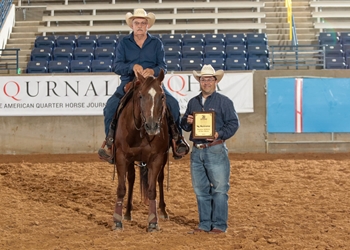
(141, 53)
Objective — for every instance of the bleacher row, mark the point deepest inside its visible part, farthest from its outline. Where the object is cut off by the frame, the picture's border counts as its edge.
(337, 51)
(187, 52)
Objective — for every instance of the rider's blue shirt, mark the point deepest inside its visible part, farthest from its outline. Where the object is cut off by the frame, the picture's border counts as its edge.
(151, 55)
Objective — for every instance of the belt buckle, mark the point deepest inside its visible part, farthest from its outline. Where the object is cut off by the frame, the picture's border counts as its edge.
(199, 146)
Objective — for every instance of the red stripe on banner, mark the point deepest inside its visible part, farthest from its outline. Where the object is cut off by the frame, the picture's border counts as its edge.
(298, 105)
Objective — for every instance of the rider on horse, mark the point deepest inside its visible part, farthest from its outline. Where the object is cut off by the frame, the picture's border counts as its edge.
(140, 53)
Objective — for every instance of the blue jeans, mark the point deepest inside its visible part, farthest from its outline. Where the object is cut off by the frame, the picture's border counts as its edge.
(113, 103)
(210, 173)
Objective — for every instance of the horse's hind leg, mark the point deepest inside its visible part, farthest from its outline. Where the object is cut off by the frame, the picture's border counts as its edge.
(118, 209)
(131, 181)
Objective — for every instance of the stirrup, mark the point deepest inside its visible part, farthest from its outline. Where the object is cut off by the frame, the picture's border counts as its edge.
(103, 154)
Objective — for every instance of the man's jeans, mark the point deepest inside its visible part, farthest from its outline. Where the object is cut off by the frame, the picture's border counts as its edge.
(210, 172)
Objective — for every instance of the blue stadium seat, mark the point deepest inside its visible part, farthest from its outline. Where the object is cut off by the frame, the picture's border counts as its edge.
(325, 38)
(334, 50)
(173, 64)
(235, 39)
(258, 51)
(80, 66)
(66, 41)
(189, 64)
(59, 66)
(235, 51)
(214, 39)
(346, 49)
(63, 53)
(172, 51)
(82, 53)
(192, 51)
(101, 66)
(193, 40)
(102, 53)
(120, 37)
(258, 64)
(256, 39)
(36, 67)
(87, 41)
(335, 63)
(45, 42)
(344, 38)
(172, 39)
(41, 54)
(107, 41)
(214, 51)
(217, 63)
(347, 61)
(236, 64)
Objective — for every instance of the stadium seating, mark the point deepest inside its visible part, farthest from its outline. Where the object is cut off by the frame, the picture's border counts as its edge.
(236, 64)
(89, 41)
(107, 41)
(258, 51)
(173, 64)
(82, 53)
(217, 63)
(193, 40)
(41, 54)
(236, 51)
(66, 41)
(335, 50)
(189, 64)
(335, 63)
(214, 51)
(104, 53)
(172, 39)
(37, 67)
(256, 39)
(172, 51)
(59, 66)
(62, 53)
(80, 66)
(327, 38)
(235, 39)
(192, 51)
(45, 42)
(344, 37)
(101, 66)
(258, 64)
(214, 39)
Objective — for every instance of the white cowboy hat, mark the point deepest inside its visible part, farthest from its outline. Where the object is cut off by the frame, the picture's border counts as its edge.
(208, 70)
(140, 13)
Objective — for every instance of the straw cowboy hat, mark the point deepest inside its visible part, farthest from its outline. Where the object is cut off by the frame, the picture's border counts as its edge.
(208, 70)
(140, 13)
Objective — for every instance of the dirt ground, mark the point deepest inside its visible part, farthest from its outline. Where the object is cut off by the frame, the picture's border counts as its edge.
(289, 201)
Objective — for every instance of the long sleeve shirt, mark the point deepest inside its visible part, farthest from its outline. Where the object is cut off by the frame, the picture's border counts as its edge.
(151, 55)
(226, 118)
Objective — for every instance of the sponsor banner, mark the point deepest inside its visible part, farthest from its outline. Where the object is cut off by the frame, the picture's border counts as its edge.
(52, 95)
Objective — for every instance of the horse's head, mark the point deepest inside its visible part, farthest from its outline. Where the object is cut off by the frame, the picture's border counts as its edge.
(152, 103)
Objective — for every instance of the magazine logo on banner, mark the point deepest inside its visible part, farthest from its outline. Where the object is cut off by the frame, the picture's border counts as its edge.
(237, 86)
(29, 95)
(55, 95)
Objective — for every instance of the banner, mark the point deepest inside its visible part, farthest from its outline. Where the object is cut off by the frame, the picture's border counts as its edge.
(61, 95)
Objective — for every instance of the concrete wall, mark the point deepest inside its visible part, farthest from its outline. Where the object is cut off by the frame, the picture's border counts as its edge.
(84, 134)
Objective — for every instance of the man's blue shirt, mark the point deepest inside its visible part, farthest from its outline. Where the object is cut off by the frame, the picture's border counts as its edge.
(226, 118)
(151, 55)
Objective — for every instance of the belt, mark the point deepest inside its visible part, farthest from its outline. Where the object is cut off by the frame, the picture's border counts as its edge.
(207, 145)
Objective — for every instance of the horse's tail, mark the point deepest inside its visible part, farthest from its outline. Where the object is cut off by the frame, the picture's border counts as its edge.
(144, 183)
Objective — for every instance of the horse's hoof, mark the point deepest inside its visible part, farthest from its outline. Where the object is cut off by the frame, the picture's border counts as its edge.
(152, 227)
(117, 226)
(127, 217)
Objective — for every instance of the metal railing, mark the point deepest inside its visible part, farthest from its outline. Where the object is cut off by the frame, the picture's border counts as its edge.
(9, 60)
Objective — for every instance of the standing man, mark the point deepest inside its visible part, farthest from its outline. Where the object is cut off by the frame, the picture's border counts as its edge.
(210, 165)
(142, 53)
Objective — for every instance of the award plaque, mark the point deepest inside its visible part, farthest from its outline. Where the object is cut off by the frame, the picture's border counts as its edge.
(203, 126)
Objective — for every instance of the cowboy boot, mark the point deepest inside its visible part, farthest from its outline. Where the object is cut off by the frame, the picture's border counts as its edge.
(178, 143)
(106, 151)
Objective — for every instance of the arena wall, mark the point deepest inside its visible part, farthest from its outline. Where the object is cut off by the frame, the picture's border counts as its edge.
(84, 134)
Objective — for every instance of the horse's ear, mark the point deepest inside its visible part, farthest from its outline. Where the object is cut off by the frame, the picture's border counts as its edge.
(161, 75)
(140, 77)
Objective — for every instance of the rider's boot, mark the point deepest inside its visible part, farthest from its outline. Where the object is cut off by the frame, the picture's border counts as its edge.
(178, 143)
(106, 151)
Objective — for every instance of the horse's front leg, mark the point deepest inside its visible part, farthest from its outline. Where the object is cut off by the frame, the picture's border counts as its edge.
(131, 181)
(152, 193)
(163, 214)
(121, 191)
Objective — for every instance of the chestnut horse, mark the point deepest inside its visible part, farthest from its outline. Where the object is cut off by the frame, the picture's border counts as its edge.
(142, 135)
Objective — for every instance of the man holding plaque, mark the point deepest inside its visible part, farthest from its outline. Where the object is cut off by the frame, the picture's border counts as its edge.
(211, 118)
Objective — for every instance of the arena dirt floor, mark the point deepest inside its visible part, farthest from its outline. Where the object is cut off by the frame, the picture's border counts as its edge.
(289, 201)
